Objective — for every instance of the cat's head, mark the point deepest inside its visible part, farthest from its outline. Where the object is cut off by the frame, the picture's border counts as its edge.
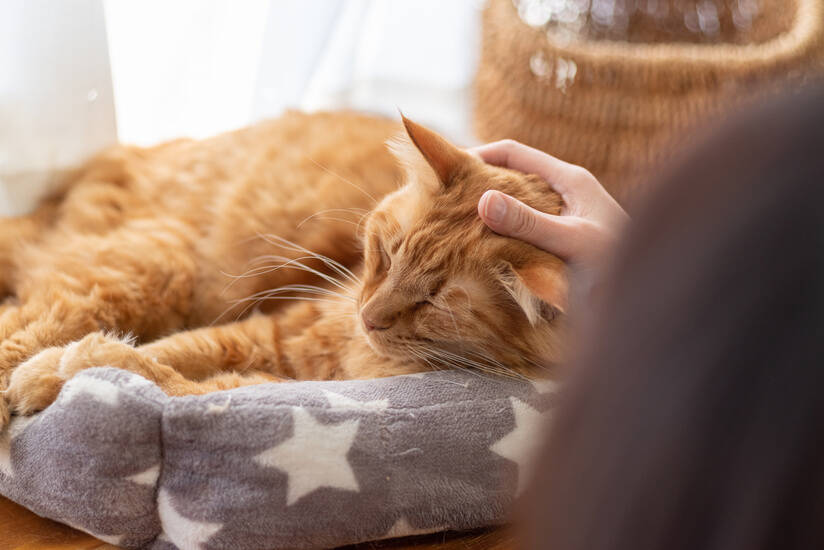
(441, 287)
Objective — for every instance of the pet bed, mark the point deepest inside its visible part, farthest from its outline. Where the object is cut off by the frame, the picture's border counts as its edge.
(296, 465)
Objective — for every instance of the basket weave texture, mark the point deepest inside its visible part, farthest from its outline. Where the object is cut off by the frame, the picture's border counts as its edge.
(621, 108)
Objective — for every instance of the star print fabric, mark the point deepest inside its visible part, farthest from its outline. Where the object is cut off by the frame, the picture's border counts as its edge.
(297, 465)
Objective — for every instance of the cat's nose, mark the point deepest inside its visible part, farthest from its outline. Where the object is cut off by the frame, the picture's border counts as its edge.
(372, 324)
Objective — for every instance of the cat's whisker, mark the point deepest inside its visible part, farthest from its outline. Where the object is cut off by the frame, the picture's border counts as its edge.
(333, 264)
(506, 369)
(456, 360)
(448, 309)
(262, 270)
(286, 244)
(438, 363)
(358, 211)
(446, 362)
(486, 363)
(340, 220)
(489, 364)
(296, 263)
(254, 302)
(423, 358)
(490, 359)
(293, 263)
(297, 298)
(253, 272)
(358, 227)
(328, 171)
(309, 289)
(538, 365)
(231, 306)
(467, 294)
(255, 299)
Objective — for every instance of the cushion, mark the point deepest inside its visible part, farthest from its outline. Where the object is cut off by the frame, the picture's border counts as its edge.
(297, 465)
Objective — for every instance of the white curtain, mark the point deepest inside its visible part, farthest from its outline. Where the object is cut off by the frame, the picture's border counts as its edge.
(55, 94)
(415, 55)
(199, 67)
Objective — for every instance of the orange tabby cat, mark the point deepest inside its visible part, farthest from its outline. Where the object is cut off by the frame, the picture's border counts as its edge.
(144, 242)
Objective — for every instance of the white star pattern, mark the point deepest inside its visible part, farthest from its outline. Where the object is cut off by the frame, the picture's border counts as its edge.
(314, 457)
(99, 390)
(114, 540)
(147, 477)
(213, 408)
(137, 381)
(337, 400)
(185, 533)
(401, 528)
(520, 444)
(313, 461)
(17, 426)
(545, 385)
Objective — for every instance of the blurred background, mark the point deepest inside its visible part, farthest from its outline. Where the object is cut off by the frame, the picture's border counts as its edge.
(613, 85)
(77, 75)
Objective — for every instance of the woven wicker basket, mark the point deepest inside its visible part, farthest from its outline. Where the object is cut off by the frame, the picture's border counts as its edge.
(620, 108)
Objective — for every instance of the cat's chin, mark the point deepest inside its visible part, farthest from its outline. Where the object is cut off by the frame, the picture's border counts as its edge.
(385, 349)
(378, 347)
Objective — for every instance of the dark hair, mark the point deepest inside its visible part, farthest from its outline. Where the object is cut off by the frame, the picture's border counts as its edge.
(694, 417)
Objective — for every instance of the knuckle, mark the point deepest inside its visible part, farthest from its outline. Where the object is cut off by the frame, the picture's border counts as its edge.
(524, 223)
(582, 226)
(582, 174)
(508, 143)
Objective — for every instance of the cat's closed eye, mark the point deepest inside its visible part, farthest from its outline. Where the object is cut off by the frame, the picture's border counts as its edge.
(433, 293)
(383, 255)
(389, 248)
(385, 258)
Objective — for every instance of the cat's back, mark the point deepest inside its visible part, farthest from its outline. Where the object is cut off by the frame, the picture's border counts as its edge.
(242, 181)
(304, 177)
(284, 158)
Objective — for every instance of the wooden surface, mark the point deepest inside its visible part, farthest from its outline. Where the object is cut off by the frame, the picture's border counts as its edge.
(21, 529)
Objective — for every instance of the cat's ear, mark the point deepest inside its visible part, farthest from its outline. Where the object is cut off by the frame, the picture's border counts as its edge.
(541, 291)
(443, 157)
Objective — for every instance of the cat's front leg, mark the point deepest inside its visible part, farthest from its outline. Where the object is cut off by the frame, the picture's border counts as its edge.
(36, 383)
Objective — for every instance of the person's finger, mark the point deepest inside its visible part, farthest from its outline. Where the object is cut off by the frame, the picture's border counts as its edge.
(569, 180)
(512, 218)
(517, 156)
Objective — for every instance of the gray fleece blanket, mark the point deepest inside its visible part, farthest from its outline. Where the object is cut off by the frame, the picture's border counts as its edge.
(296, 465)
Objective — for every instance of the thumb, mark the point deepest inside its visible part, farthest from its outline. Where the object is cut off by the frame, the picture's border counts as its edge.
(512, 218)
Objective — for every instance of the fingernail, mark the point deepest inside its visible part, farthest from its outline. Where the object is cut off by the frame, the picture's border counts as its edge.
(495, 207)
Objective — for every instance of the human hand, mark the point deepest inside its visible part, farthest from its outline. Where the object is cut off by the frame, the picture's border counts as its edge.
(585, 231)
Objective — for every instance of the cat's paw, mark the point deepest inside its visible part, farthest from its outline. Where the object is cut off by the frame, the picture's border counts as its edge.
(36, 383)
(12, 353)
